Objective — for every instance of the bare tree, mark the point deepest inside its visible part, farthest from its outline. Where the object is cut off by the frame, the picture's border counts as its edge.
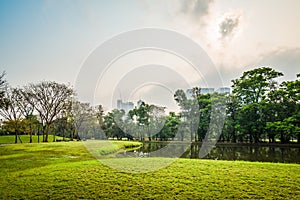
(11, 109)
(81, 113)
(27, 110)
(49, 99)
(3, 85)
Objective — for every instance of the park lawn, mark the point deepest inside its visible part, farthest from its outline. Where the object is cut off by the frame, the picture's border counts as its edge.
(10, 139)
(66, 170)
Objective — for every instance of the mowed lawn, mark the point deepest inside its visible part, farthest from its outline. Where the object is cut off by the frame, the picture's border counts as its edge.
(10, 139)
(66, 170)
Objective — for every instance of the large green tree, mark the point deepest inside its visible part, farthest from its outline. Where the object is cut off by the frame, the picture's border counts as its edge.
(170, 127)
(149, 118)
(251, 91)
(253, 85)
(189, 112)
(284, 111)
(112, 121)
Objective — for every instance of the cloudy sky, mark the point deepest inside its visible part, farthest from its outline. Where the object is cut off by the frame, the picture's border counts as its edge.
(52, 40)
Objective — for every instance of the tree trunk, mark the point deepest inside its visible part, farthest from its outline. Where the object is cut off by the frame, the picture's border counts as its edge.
(54, 137)
(16, 137)
(149, 137)
(44, 128)
(250, 138)
(282, 138)
(298, 138)
(64, 134)
(72, 134)
(233, 137)
(47, 132)
(30, 134)
(30, 137)
(38, 133)
(256, 138)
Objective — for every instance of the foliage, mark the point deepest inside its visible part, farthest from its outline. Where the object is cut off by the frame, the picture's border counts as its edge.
(149, 119)
(170, 127)
(189, 113)
(263, 108)
(253, 85)
(258, 109)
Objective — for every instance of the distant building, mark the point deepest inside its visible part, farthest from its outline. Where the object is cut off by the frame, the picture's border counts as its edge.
(139, 103)
(189, 93)
(223, 90)
(207, 90)
(126, 106)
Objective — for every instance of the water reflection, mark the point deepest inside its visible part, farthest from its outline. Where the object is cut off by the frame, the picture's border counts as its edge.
(230, 152)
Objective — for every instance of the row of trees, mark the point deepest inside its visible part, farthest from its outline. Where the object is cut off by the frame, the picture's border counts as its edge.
(258, 109)
(35, 106)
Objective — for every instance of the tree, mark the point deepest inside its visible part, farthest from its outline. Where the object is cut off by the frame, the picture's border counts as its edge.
(16, 126)
(189, 112)
(112, 124)
(99, 112)
(12, 111)
(283, 111)
(251, 91)
(32, 124)
(81, 113)
(150, 119)
(253, 85)
(3, 86)
(230, 126)
(49, 99)
(170, 127)
(27, 111)
(204, 102)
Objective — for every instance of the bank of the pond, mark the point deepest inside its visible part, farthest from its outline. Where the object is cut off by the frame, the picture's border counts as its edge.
(262, 152)
(276, 144)
(68, 171)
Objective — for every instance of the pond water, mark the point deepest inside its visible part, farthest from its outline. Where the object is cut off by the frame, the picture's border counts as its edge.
(262, 153)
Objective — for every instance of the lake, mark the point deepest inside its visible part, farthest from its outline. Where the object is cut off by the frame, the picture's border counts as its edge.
(246, 152)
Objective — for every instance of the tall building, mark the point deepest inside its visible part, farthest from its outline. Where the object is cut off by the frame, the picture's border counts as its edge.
(126, 106)
(207, 90)
(223, 90)
(189, 93)
(139, 103)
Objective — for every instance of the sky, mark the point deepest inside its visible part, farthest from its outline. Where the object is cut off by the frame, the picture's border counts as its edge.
(54, 39)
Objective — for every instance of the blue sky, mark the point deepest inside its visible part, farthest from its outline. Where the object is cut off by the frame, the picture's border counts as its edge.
(50, 40)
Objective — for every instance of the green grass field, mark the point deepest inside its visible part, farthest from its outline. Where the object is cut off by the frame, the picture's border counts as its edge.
(66, 170)
(10, 139)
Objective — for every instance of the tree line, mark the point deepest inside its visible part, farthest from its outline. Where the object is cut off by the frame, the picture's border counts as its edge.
(258, 110)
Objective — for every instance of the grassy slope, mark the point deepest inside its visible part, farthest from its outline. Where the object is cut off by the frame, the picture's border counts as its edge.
(67, 170)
